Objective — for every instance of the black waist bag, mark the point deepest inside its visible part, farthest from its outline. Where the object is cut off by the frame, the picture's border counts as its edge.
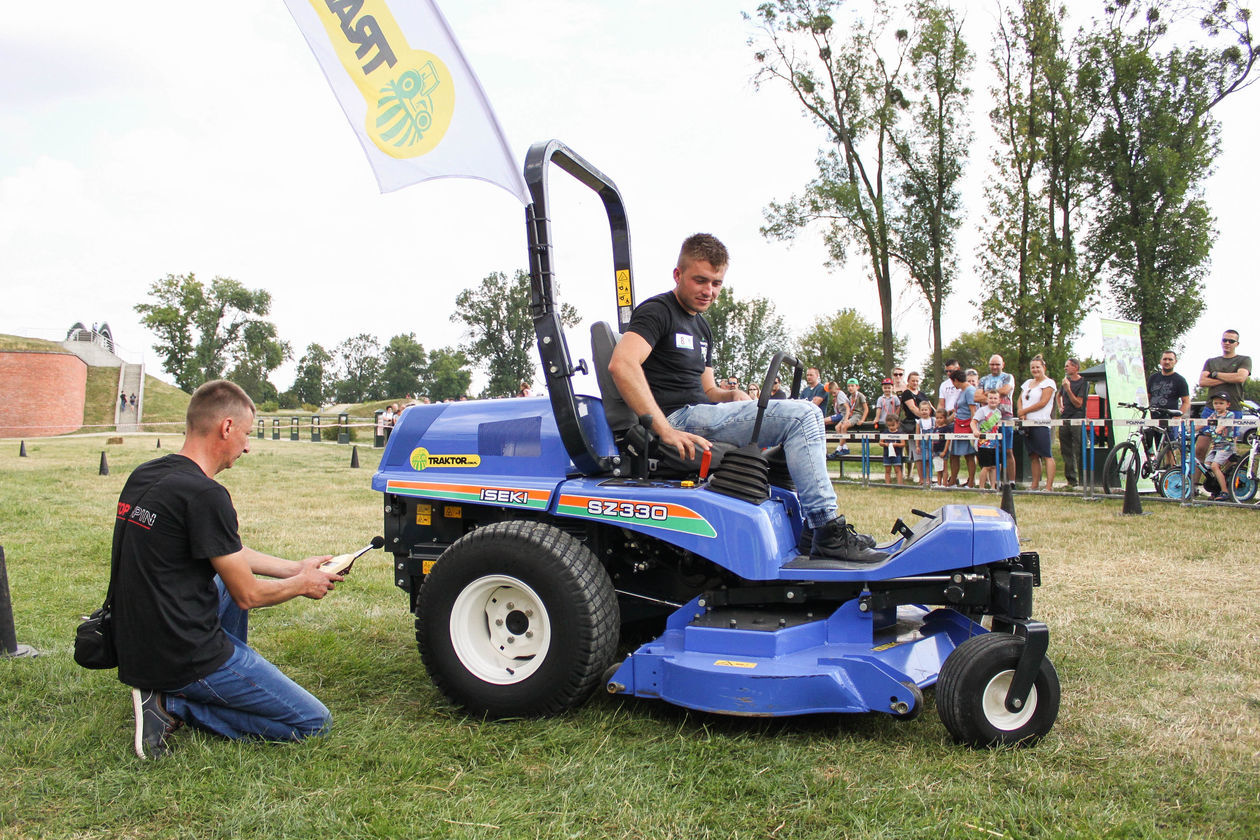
(94, 641)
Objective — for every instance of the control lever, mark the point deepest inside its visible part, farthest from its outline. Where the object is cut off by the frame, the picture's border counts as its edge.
(918, 512)
(639, 442)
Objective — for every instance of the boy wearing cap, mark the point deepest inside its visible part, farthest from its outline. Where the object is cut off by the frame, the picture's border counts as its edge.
(1223, 445)
(888, 405)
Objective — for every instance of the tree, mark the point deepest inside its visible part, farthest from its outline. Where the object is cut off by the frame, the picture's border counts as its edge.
(448, 376)
(405, 367)
(852, 90)
(315, 379)
(746, 333)
(931, 153)
(203, 332)
(1037, 293)
(847, 345)
(1151, 156)
(500, 330)
(972, 349)
(359, 364)
(261, 352)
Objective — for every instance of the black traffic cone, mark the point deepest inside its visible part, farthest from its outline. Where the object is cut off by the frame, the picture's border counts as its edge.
(354, 458)
(9, 646)
(104, 465)
(22, 450)
(1008, 498)
(1132, 504)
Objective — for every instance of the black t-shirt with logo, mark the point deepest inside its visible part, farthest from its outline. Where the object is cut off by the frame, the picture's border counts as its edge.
(1166, 391)
(172, 518)
(682, 347)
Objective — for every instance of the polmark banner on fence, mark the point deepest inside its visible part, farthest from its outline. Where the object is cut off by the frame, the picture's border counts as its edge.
(411, 97)
(1126, 373)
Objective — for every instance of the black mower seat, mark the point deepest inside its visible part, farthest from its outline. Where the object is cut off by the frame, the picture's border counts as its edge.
(665, 460)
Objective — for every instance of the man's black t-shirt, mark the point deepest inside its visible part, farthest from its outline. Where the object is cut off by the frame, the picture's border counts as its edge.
(1166, 391)
(1072, 411)
(682, 347)
(172, 518)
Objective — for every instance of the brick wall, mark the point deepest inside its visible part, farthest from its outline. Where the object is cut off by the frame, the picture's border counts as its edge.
(41, 394)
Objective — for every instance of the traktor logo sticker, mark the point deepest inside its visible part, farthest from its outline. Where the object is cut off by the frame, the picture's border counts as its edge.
(422, 458)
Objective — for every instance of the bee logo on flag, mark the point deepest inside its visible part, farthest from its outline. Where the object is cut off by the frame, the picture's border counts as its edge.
(406, 109)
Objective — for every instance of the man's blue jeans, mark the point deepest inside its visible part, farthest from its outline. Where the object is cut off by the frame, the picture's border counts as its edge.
(248, 697)
(796, 424)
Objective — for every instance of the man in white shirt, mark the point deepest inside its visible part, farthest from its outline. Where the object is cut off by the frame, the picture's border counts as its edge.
(948, 392)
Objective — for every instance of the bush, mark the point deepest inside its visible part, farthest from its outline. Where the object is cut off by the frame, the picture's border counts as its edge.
(268, 407)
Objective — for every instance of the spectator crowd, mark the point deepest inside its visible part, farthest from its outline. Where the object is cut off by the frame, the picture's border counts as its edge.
(975, 406)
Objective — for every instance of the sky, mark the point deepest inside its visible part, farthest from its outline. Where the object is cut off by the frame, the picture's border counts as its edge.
(156, 138)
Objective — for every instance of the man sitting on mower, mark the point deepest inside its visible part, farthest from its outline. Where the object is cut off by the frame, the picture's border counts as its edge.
(663, 367)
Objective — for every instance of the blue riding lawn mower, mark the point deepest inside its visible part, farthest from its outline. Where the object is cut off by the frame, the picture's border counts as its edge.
(536, 536)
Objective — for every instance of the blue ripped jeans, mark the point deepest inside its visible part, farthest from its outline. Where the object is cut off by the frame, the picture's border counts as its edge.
(796, 424)
(248, 697)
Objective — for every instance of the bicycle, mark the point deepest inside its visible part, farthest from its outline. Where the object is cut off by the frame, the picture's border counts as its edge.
(1240, 474)
(1148, 451)
(1244, 478)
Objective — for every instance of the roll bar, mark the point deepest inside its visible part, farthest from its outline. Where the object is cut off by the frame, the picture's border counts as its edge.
(553, 349)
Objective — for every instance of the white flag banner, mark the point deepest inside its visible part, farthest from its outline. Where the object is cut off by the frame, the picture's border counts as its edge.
(412, 99)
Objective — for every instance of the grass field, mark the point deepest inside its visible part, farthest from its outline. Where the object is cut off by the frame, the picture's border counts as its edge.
(1154, 633)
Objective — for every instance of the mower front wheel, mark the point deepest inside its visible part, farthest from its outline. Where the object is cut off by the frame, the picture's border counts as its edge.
(517, 619)
(971, 694)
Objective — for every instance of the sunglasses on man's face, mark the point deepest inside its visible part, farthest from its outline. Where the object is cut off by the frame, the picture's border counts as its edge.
(1229, 341)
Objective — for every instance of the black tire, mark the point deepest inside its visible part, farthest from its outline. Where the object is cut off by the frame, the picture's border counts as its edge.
(1120, 459)
(1171, 484)
(517, 619)
(1242, 486)
(916, 704)
(971, 693)
(1167, 457)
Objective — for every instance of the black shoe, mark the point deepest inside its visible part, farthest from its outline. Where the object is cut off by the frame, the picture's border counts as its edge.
(805, 543)
(838, 541)
(153, 723)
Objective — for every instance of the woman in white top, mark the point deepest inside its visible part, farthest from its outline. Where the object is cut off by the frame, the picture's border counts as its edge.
(1036, 399)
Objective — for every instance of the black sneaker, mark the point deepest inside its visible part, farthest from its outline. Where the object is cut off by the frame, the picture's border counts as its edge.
(805, 543)
(153, 723)
(837, 540)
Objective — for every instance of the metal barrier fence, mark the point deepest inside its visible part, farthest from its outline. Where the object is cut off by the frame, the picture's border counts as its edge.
(1091, 429)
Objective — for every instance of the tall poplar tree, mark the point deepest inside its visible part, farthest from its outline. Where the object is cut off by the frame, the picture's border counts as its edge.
(932, 152)
(1035, 283)
(850, 87)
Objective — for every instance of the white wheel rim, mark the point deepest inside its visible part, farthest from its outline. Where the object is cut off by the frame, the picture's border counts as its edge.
(994, 703)
(500, 629)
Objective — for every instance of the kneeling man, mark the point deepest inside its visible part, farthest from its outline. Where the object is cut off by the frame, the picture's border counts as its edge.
(184, 585)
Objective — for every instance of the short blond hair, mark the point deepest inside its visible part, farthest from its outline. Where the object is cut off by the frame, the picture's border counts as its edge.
(213, 401)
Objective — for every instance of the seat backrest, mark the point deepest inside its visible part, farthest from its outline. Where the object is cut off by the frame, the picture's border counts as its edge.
(603, 342)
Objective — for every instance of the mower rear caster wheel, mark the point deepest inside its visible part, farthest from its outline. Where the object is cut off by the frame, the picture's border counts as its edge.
(916, 707)
(517, 619)
(971, 694)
